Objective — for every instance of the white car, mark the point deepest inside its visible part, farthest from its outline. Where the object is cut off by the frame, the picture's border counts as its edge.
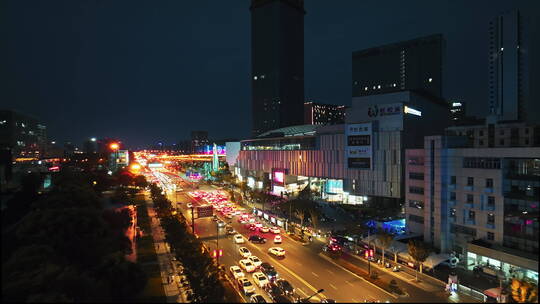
(236, 272)
(246, 286)
(275, 230)
(264, 229)
(244, 252)
(260, 279)
(238, 239)
(247, 265)
(277, 251)
(252, 220)
(277, 239)
(255, 260)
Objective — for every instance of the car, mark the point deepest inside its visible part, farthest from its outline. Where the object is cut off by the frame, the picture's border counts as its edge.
(230, 230)
(285, 287)
(238, 239)
(328, 301)
(221, 223)
(244, 252)
(275, 230)
(246, 286)
(252, 227)
(229, 215)
(269, 271)
(257, 298)
(258, 225)
(236, 272)
(277, 239)
(264, 229)
(260, 279)
(189, 205)
(247, 265)
(255, 260)
(277, 251)
(275, 293)
(251, 220)
(257, 239)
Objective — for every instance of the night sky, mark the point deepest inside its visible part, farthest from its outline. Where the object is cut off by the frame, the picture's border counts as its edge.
(145, 71)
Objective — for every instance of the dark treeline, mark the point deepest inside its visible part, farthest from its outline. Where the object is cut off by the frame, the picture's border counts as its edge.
(63, 246)
(201, 270)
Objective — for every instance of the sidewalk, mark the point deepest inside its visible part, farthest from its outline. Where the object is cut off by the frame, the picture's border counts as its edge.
(429, 285)
(164, 256)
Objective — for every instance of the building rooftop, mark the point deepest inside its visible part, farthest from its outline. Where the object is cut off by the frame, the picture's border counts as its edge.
(301, 130)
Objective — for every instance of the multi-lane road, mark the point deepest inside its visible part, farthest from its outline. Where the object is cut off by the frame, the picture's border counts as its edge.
(302, 266)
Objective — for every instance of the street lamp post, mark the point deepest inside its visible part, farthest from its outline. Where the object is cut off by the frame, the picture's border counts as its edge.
(217, 243)
(306, 300)
(192, 220)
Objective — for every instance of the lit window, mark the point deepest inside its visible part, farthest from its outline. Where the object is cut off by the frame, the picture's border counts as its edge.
(502, 49)
(430, 80)
(365, 89)
(379, 86)
(254, 77)
(374, 87)
(394, 85)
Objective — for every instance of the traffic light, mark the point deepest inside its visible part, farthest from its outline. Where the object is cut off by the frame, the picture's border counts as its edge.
(220, 252)
(214, 253)
(371, 253)
(366, 253)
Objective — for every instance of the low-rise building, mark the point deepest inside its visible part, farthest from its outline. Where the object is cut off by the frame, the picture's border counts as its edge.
(479, 203)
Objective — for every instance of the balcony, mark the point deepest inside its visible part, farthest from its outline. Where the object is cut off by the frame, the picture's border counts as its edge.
(490, 226)
(490, 207)
(469, 205)
(488, 190)
(469, 188)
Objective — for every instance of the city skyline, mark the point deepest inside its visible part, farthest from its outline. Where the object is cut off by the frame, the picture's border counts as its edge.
(54, 69)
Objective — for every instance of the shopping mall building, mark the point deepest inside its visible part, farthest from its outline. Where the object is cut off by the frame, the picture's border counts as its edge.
(355, 162)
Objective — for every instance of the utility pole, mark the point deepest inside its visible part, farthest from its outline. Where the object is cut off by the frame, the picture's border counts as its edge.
(217, 243)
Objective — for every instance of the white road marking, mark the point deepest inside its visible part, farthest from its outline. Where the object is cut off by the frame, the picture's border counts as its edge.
(333, 286)
(313, 273)
(355, 300)
(305, 294)
(349, 283)
(330, 271)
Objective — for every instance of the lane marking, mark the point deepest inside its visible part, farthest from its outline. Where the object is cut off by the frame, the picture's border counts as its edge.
(292, 273)
(349, 283)
(355, 300)
(305, 294)
(313, 273)
(330, 271)
(331, 285)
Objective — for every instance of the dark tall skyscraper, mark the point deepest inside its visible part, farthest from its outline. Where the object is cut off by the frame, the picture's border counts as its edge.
(409, 65)
(277, 63)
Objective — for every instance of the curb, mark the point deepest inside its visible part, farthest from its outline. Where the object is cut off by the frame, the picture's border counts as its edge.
(375, 285)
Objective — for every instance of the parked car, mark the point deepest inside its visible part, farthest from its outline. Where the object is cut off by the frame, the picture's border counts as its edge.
(275, 230)
(269, 271)
(236, 272)
(277, 251)
(238, 239)
(245, 286)
(244, 252)
(257, 239)
(255, 260)
(247, 265)
(264, 229)
(230, 230)
(260, 279)
(277, 239)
